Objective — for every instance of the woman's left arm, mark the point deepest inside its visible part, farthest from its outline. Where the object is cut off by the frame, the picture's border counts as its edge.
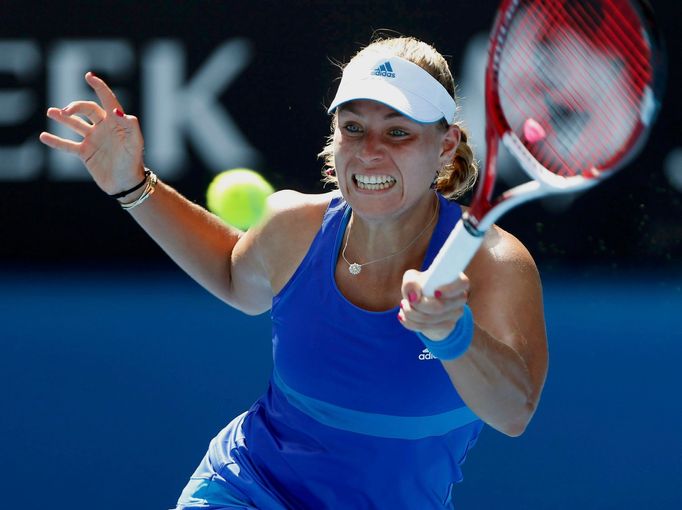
(501, 374)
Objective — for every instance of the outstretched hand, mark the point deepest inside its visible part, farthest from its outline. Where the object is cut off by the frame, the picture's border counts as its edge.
(435, 317)
(112, 143)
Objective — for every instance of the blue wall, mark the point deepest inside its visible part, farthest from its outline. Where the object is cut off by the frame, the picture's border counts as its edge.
(113, 383)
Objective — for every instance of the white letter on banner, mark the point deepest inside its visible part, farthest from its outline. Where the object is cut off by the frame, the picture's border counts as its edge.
(21, 59)
(173, 109)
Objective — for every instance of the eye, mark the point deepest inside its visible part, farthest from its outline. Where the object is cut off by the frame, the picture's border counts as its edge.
(398, 132)
(352, 128)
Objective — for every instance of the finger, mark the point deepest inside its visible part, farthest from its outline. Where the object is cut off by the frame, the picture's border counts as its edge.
(430, 323)
(425, 307)
(91, 110)
(437, 311)
(128, 123)
(453, 289)
(104, 93)
(436, 330)
(437, 305)
(76, 123)
(123, 120)
(56, 142)
(411, 289)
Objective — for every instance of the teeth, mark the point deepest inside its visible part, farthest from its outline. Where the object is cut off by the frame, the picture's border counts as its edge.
(374, 182)
(374, 179)
(383, 185)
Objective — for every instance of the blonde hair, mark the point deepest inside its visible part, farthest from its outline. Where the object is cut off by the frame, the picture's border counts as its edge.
(458, 176)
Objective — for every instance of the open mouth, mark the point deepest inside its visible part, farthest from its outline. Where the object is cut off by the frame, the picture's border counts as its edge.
(373, 182)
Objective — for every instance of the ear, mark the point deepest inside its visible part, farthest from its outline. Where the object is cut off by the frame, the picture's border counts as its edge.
(449, 144)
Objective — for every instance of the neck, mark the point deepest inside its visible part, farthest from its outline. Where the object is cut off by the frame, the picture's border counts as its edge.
(400, 240)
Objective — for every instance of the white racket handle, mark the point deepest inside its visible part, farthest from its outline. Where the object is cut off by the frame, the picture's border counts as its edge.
(454, 256)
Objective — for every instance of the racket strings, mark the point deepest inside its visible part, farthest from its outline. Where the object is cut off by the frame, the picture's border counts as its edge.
(567, 130)
(539, 109)
(599, 117)
(568, 111)
(640, 57)
(628, 82)
(597, 36)
(577, 118)
(589, 82)
(576, 53)
(613, 34)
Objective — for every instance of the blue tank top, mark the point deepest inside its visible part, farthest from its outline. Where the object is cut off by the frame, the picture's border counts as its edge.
(358, 414)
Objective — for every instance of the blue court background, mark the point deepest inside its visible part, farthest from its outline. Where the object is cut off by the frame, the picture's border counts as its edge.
(113, 382)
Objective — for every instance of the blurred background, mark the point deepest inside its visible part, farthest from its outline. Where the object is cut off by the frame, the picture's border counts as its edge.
(116, 369)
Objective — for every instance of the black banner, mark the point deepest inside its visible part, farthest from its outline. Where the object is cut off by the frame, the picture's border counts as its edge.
(222, 84)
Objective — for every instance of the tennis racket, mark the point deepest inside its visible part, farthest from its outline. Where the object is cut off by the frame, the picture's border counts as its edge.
(572, 88)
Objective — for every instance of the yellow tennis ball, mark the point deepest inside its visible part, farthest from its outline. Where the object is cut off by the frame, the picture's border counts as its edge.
(238, 197)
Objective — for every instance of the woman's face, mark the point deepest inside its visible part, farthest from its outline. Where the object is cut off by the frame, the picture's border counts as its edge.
(385, 162)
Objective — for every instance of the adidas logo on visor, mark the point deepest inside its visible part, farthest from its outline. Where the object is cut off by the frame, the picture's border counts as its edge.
(384, 70)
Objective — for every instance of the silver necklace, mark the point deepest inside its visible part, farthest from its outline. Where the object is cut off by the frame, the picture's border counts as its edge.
(354, 268)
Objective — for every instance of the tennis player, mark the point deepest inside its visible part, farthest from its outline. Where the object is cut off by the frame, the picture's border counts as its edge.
(378, 391)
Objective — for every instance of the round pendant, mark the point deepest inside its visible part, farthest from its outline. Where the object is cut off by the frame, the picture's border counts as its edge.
(355, 268)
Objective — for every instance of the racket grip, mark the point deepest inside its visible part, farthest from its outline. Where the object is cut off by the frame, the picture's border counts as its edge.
(454, 256)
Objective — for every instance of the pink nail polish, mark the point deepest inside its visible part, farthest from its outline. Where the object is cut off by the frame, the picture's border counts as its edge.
(400, 318)
(412, 297)
(438, 294)
(118, 112)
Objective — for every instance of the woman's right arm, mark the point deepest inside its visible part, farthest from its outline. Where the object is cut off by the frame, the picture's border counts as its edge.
(224, 260)
(206, 248)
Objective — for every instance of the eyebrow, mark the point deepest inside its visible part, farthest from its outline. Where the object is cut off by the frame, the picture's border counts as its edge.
(393, 114)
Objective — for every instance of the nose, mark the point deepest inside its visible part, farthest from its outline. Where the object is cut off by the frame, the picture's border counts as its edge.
(371, 149)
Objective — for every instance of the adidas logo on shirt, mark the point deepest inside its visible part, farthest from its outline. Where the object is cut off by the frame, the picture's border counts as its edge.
(426, 354)
(384, 70)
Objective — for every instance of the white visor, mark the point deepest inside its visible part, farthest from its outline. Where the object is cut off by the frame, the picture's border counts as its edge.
(397, 83)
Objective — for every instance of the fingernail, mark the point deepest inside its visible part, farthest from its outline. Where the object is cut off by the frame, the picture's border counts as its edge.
(93, 74)
(118, 112)
(412, 296)
(400, 318)
(438, 294)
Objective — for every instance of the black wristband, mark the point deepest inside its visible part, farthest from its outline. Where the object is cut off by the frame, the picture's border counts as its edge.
(134, 188)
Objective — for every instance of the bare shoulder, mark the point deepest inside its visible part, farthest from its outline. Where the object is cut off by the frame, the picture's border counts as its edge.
(286, 204)
(292, 215)
(501, 250)
(267, 255)
(505, 293)
(503, 267)
(292, 222)
(501, 255)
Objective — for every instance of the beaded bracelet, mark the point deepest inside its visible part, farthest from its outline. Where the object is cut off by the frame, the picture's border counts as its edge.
(147, 171)
(457, 342)
(148, 191)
